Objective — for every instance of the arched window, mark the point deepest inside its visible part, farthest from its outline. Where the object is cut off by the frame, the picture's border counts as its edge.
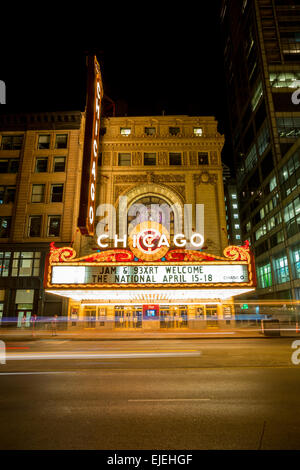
(150, 208)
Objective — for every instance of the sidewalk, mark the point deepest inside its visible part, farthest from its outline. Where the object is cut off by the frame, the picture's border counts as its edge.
(91, 334)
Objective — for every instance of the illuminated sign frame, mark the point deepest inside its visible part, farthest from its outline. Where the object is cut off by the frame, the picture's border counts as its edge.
(86, 218)
(234, 255)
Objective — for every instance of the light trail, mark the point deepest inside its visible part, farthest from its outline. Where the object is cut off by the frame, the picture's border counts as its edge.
(55, 356)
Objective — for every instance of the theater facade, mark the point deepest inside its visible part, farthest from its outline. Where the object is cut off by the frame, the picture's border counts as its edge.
(111, 278)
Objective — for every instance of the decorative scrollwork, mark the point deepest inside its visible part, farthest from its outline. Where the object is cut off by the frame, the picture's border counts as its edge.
(59, 255)
(238, 253)
(188, 255)
(110, 256)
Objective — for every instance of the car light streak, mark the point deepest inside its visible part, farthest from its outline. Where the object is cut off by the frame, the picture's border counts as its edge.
(41, 356)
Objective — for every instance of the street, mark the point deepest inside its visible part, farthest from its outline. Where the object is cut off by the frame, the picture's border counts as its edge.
(147, 394)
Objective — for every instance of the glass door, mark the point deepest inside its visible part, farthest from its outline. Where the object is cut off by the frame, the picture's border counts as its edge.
(23, 318)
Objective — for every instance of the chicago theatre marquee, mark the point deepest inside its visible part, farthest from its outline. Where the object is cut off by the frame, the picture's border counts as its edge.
(128, 269)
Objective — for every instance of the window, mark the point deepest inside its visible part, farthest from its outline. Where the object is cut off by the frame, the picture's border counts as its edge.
(38, 192)
(4, 263)
(44, 141)
(198, 131)
(57, 192)
(237, 237)
(7, 194)
(59, 164)
(264, 276)
(276, 239)
(11, 142)
(257, 96)
(53, 226)
(61, 141)
(281, 269)
(174, 130)
(237, 226)
(35, 226)
(5, 224)
(125, 131)
(263, 138)
(295, 261)
(149, 159)
(26, 263)
(261, 232)
(10, 165)
(175, 158)
(273, 183)
(202, 158)
(124, 159)
(284, 79)
(292, 217)
(235, 216)
(288, 127)
(233, 196)
(150, 130)
(251, 159)
(41, 165)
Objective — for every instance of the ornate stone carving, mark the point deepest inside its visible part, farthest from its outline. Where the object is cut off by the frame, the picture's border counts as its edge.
(163, 158)
(193, 158)
(214, 158)
(106, 159)
(206, 178)
(137, 159)
(144, 178)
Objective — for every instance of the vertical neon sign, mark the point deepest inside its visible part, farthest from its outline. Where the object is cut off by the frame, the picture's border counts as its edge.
(86, 217)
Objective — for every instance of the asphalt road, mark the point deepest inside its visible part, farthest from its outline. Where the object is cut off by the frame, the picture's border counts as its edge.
(183, 394)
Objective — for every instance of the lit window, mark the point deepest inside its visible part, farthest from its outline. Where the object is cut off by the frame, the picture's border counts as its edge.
(26, 263)
(235, 216)
(237, 237)
(233, 196)
(125, 130)
(59, 164)
(53, 226)
(236, 226)
(198, 131)
(5, 224)
(44, 141)
(61, 141)
(234, 206)
(38, 191)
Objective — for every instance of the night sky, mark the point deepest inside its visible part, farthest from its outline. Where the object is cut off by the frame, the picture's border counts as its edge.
(151, 60)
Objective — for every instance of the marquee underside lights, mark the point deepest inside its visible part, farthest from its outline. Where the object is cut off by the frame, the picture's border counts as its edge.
(137, 296)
